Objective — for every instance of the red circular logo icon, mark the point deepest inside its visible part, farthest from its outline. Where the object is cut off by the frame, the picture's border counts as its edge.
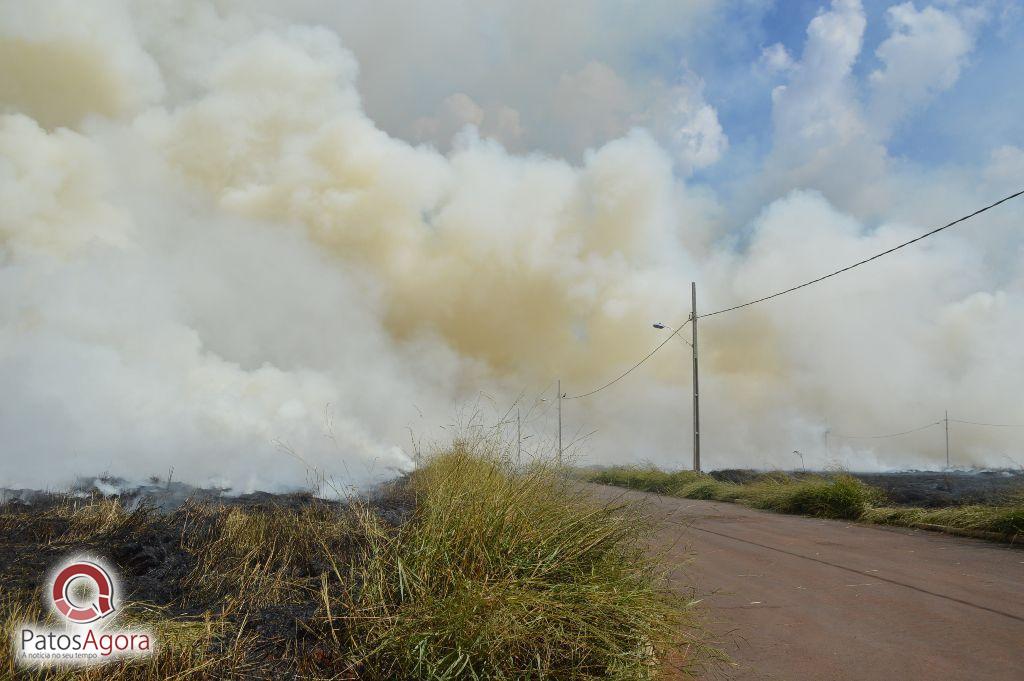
(89, 612)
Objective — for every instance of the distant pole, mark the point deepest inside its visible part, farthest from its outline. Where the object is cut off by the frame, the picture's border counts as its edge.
(696, 392)
(559, 420)
(947, 439)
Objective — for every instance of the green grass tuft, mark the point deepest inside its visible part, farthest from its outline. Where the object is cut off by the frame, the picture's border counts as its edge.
(837, 496)
(1005, 519)
(840, 497)
(511, 573)
(648, 479)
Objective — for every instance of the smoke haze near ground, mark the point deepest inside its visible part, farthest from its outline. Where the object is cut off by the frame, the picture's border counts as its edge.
(212, 259)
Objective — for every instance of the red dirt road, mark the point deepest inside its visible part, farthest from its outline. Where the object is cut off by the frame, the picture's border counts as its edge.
(796, 599)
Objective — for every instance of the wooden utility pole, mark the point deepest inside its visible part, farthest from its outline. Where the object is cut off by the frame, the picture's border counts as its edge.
(696, 391)
(947, 439)
(559, 421)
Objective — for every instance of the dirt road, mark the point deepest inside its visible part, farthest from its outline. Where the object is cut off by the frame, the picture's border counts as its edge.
(803, 599)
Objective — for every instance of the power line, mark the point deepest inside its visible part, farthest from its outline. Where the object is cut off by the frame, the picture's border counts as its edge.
(866, 260)
(632, 368)
(924, 427)
(795, 288)
(879, 437)
(992, 425)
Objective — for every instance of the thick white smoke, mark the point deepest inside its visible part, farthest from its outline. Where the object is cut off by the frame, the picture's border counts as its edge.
(212, 260)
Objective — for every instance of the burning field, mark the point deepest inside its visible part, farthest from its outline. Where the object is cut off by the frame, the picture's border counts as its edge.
(469, 567)
(276, 246)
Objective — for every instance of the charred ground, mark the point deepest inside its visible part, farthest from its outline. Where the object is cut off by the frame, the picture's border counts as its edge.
(469, 567)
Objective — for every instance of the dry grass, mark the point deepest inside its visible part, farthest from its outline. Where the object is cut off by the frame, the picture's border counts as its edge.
(203, 649)
(279, 555)
(497, 571)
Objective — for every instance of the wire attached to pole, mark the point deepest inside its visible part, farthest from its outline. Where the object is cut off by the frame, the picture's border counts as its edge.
(990, 425)
(632, 368)
(800, 286)
(866, 260)
(880, 437)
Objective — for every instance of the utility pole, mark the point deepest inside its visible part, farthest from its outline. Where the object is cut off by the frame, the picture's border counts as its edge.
(947, 439)
(696, 392)
(559, 421)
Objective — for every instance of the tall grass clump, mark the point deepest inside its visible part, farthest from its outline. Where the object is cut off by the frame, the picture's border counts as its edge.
(839, 496)
(647, 479)
(510, 573)
(1005, 519)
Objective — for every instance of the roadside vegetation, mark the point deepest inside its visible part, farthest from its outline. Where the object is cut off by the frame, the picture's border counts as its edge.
(470, 567)
(837, 496)
(1005, 520)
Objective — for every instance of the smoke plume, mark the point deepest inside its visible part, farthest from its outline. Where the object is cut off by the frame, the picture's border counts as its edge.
(213, 260)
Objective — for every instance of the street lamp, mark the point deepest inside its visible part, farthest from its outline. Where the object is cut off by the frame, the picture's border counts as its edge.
(802, 466)
(660, 326)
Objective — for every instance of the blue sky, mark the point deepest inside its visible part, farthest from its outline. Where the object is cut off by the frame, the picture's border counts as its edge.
(579, 73)
(982, 111)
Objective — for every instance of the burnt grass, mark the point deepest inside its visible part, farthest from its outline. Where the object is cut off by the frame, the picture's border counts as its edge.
(149, 546)
(151, 562)
(922, 489)
(471, 567)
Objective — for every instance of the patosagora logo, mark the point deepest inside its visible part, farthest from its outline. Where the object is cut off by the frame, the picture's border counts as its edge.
(63, 599)
(81, 594)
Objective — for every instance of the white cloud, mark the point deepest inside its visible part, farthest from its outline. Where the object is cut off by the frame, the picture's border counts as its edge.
(817, 107)
(1006, 167)
(923, 56)
(692, 127)
(776, 59)
(820, 138)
